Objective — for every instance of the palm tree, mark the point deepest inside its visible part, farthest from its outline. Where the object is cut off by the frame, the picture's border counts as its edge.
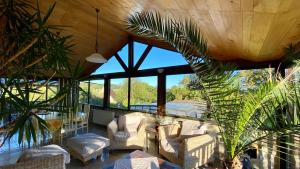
(244, 118)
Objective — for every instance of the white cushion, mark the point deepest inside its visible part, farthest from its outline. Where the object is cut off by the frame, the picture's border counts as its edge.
(121, 122)
(129, 123)
(186, 128)
(170, 146)
(88, 143)
(132, 123)
(45, 151)
(191, 128)
(123, 135)
(200, 130)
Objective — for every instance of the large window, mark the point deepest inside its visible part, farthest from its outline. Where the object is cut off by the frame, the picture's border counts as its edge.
(119, 93)
(83, 92)
(139, 49)
(162, 58)
(182, 98)
(96, 92)
(144, 94)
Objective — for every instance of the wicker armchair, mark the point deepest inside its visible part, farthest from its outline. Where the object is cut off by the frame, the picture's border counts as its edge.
(191, 152)
(51, 162)
(127, 140)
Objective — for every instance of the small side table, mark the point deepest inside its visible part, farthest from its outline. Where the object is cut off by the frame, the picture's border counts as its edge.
(151, 130)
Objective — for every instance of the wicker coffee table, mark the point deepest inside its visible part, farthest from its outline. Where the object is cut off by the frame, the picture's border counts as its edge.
(163, 164)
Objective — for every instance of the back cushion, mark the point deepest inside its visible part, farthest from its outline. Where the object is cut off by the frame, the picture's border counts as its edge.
(191, 128)
(132, 123)
(186, 128)
(121, 122)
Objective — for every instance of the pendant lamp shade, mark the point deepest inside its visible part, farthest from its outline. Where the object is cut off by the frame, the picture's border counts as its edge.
(96, 57)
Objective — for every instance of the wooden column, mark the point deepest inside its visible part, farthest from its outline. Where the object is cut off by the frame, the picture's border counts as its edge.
(106, 98)
(89, 90)
(129, 93)
(161, 95)
(130, 67)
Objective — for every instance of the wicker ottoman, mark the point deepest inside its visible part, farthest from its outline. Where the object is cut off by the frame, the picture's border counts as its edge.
(45, 151)
(87, 146)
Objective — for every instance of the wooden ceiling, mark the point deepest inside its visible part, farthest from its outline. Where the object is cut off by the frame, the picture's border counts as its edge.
(254, 30)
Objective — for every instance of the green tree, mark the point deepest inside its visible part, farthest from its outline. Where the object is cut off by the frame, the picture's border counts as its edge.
(252, 79)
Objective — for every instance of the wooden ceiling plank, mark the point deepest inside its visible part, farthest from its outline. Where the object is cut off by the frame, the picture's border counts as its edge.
(247, 5)
(261, 24)
(285, 22)
(247, 25)
(254, 30)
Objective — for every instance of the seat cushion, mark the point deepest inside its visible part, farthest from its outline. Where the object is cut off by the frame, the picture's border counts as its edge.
(45, 151)
(123, 135)
(170, 146)
(87, 144)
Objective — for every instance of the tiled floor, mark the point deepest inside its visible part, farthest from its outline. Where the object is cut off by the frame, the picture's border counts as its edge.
(11, 157)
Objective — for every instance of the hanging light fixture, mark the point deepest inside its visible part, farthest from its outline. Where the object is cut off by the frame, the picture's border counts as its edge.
(96, 57)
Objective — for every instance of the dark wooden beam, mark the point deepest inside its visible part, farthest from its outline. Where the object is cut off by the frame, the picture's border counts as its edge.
(121, 62)
(130, 54)
(143, 57)
(161, 95)
(172, 70)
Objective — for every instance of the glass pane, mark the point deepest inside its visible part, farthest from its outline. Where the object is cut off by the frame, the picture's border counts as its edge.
(123, 53)
(52, 89)
(139, 49)
(162, 58)
(251, 79)
(83, 92)
(119, 93)
(182, 98)
(96, 92)
(39, 91)
(111, 66)
(144, 94)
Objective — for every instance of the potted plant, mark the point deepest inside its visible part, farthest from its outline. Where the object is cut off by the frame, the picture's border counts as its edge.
(243, 117)
(32, 54)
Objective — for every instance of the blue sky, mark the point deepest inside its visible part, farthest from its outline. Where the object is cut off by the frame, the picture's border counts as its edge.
(156, 58)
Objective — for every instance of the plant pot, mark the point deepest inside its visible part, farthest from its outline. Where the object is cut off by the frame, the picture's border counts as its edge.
(234, 164)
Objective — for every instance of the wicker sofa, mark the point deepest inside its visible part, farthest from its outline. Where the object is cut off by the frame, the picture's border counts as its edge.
(189, 152)
(122, 139)
(51, 162)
